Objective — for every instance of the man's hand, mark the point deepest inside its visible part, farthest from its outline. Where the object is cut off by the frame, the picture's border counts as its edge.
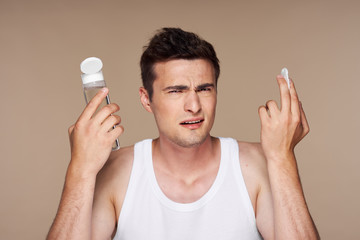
(92, 136)
(282, 129)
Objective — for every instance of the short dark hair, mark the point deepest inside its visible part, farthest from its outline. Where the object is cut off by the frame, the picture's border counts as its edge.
(174, 43)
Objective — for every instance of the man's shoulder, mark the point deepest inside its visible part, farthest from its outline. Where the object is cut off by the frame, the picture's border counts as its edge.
(120, 161)
(123, 154)
(252, 156)
(251, 150)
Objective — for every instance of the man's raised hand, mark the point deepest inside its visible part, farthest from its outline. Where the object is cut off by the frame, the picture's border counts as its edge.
(282, 128)
(92, 136)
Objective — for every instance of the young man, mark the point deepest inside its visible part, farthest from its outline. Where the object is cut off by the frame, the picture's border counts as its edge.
(185, 184)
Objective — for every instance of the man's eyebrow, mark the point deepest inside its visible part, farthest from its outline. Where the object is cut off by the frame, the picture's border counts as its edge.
(176, 87)
(205, 85)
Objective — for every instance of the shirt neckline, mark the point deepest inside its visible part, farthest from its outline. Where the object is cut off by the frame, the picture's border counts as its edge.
(186, 207)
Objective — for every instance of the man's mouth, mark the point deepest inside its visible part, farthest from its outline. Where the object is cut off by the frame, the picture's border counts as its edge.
(192, 122)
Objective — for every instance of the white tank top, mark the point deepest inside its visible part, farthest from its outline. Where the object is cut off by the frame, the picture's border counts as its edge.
(225, 212)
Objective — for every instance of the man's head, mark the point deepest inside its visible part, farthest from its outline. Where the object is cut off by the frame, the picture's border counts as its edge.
(170, 44)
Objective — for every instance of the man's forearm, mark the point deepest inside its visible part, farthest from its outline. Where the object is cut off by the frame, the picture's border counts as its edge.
(291, 215)
(73, 219)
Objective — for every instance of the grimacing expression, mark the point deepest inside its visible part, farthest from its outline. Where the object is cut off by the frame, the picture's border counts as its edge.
(184, 100)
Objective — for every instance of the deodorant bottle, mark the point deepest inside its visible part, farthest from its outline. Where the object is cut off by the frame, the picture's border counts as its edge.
(93, 81)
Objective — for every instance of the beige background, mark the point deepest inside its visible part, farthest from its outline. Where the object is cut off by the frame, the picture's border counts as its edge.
(43, 42)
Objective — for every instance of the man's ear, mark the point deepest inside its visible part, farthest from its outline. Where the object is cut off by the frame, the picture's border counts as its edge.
(144, 98)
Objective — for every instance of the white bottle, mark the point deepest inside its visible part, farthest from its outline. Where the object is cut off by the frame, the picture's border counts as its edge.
(93, 81)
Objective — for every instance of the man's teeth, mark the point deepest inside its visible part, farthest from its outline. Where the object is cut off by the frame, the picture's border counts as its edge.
(192, 122)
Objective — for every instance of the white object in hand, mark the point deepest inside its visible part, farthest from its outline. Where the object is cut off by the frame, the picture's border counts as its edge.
(285, 74)
(93, 81)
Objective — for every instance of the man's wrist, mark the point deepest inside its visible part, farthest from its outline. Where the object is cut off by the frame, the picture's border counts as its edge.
(81, 174)
(282, 161)
(280, 156)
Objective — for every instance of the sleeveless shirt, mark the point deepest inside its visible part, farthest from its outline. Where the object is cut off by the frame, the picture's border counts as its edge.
(224, 212)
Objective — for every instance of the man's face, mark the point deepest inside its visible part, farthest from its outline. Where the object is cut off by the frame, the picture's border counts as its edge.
(184, 100)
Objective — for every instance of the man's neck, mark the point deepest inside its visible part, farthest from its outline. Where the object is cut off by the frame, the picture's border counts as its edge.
(185, 162)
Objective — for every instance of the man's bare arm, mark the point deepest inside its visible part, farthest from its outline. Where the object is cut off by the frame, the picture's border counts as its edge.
(73, 218)
(91, 143)
(291, 215)
(281, 130)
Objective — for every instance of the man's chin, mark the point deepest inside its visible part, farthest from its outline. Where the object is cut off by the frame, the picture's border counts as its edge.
(190, 142)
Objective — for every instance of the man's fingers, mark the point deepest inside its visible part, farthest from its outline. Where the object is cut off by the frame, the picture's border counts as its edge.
(272, 107)
(110, 122)
(284, 93)
(71, 128)
(263, 114)
(94, 103)
(116, 132)
(295, 106)
(105, 112)
(304, 122)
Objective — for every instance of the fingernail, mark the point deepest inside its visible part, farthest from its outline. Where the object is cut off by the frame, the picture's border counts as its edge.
(104, 89)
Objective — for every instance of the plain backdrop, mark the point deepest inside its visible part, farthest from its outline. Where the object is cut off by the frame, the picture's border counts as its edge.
(43, 42)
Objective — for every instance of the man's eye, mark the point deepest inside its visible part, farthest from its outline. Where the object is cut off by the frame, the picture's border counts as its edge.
(174, 91)
(204, 89)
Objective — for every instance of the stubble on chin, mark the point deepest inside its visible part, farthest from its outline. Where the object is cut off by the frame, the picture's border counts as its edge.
(190, 142)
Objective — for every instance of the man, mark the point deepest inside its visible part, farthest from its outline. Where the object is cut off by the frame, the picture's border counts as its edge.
(185, 184)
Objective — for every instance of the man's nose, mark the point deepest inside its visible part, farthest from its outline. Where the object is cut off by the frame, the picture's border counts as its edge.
(192, 102)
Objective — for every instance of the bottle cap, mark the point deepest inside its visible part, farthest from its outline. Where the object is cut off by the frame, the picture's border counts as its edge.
(91, 68)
